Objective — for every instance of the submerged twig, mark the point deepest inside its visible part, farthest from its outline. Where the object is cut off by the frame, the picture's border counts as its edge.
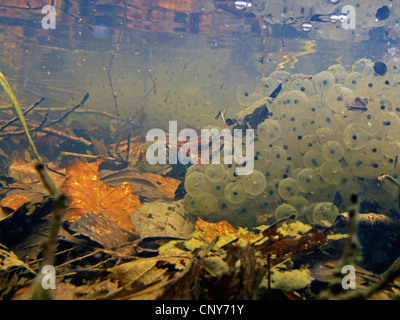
(83, 111)
(52, 132)
(55, 171)
(128, 147)
(88, 156)
(24, 113)
(43, 127)
(85, 97)
(78, 259)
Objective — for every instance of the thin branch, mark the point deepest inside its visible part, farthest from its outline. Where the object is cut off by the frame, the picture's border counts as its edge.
(83, 111)
(66, 136)
(88, 156)
(55, 171)
(128, 147)
(24, 113)
(52, 132)
(42, 127)
(85, 97)
(79, 258)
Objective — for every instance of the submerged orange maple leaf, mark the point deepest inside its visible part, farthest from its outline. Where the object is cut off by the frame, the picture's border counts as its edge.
(85, 192)
(212, 230)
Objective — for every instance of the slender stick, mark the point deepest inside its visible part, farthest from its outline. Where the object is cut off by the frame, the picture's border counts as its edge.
(85, 97)
(128, 147)
(24, 113)
(87, 156)
(52, 132)
(83, 111)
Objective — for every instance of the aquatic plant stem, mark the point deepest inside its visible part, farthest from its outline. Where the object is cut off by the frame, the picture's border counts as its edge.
(110, 80)
(39, 292)
(50, 246)
(350, 256)
(351, 253)
(14, 100)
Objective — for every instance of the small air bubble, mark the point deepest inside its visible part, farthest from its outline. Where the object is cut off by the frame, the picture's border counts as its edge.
(306, 26)
(241, 5)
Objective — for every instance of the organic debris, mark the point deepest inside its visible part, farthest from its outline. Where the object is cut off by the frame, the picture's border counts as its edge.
(288, 237)
(85, 192)
(100, 230)
(147, 186)
(111, 245)
(163, 219)
(100, 260)
(12, 203)
(123, 235)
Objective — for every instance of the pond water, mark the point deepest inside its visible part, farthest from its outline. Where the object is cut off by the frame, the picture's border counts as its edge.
(325, 73)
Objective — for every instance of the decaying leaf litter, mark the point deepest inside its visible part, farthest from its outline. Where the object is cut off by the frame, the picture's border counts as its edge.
(122, 233)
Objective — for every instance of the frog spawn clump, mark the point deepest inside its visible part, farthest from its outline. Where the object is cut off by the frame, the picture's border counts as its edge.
(326, 138)
(369, 14)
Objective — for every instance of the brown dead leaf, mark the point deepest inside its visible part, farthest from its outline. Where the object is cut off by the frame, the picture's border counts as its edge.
(288, 237)
(102, 231)
(146, 278)
(218, 277)
(282, 239)
(13, 202)
(213, 230)
(24, 172)
(163, 219)
(85, 192)
(147, 186)
(166, 185)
